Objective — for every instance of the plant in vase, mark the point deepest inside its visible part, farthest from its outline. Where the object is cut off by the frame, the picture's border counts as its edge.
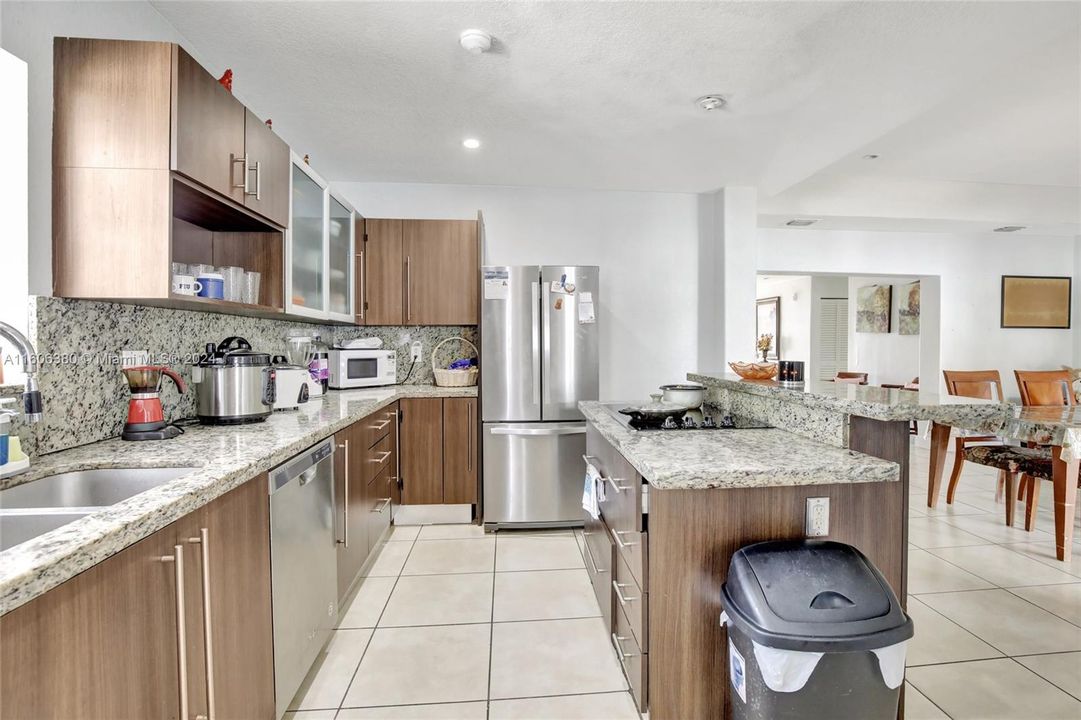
(765, 342)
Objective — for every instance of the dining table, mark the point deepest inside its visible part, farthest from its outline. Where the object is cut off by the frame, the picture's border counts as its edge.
(1058, 428)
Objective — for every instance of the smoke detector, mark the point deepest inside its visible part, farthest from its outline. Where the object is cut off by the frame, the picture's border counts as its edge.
(800, 223)
(475, 41)
(711, 102)
(1009, 228)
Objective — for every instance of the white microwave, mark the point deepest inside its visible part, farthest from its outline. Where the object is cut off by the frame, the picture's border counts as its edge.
(357, 368)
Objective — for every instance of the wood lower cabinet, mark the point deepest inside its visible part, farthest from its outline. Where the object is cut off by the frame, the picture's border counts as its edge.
(110, 642)
(422, 451)
(442, 272)
(102, 645)
(350, 498)
(459, 450)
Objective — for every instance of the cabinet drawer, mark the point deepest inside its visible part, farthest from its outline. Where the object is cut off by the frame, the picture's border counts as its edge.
(631, 598)
(621, 504)
(378, 499)
(635, 662)
(598, 552)
(377, 426)
(378, 458)
(632, 547)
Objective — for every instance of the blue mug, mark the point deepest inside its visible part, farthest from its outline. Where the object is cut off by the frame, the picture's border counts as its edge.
(213, 286)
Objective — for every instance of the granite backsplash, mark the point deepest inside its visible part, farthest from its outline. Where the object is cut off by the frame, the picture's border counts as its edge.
(79, 344)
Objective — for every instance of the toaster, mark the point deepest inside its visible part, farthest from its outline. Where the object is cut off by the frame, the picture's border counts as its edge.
(293, 386)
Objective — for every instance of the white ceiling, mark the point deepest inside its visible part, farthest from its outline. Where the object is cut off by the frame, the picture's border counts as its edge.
(600, 95)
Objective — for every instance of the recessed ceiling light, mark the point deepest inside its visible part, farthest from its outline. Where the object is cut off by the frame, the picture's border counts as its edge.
(471, 143)
(711, 102)
(1009, 228)
(870, 157)
(475, 41)
(800, 223)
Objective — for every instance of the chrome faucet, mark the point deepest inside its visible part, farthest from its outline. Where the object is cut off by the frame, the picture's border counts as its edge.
(32, 408)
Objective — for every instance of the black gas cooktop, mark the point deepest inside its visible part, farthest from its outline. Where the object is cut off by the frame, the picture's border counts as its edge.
(706, 418)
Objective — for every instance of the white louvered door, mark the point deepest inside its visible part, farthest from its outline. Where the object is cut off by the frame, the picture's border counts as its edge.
(832, 352)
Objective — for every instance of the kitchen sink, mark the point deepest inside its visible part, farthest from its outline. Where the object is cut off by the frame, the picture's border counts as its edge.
(36, 507)
(87, 488)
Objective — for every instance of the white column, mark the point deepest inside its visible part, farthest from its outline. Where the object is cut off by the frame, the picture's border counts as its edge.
(1076, 314)
(737, 225)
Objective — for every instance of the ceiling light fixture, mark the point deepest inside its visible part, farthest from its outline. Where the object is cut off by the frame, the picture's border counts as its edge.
(800, 223)
(471, 143)
(711, 102)
(1009, 228)
(870, 157)
(475, 41)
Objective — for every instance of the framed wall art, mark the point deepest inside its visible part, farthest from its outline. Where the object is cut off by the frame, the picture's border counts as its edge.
(1030, 301)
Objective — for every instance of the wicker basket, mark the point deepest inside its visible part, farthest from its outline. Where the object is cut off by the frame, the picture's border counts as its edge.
(454, 378)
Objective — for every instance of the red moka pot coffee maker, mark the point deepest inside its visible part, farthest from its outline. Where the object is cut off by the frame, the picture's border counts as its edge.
(146, 419)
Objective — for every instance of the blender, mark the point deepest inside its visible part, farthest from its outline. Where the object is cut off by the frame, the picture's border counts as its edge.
(146, 419)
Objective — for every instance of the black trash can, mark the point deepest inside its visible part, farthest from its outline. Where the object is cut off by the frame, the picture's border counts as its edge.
(814, 632)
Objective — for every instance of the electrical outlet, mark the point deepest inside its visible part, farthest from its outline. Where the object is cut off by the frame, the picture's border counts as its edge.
(415, 351)
(818, 516)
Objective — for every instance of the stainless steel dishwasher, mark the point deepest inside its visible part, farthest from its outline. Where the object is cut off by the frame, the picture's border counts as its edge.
(303, 565)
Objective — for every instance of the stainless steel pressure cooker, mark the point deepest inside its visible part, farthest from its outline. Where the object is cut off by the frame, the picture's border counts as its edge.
(233, 384)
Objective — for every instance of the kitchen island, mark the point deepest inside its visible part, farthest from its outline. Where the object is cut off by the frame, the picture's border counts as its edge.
(849, 415)
(677, 504)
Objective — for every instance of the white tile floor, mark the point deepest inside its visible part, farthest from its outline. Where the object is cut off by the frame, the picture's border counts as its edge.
(452, 624)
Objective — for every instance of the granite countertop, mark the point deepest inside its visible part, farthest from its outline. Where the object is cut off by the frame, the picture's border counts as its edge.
(221, 458)
(702, 459)
(1045, 425)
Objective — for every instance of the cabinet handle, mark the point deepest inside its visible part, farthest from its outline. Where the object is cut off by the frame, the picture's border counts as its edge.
(398, 447)
(243, 160)
(345, 485)
(616, 640)
(589, 554)
(258, 187)
(208, 637)
(386, 504)
(623, 600)
(619, 540)
(614, 482)
(469, 436)
(408, 289)
(385, 454)
(181, 625)
(360, 302)
(382, 425)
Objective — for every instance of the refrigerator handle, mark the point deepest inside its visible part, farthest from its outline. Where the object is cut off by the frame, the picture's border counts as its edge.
(535, 370)
(539, 431)
(546, 369)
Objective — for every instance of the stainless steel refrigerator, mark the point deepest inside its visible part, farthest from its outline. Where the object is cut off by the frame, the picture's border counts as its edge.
(539, 351)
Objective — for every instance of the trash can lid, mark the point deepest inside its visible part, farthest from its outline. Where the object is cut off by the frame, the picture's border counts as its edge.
(814, 596)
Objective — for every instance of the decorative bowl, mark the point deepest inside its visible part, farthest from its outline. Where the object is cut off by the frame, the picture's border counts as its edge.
(754, 370)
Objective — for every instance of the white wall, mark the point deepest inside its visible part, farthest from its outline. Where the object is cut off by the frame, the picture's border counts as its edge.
(27, 30)
(796, 301)
(13, 203)
(886, 357)
(970, 268)
(736, 227)
(645, 243)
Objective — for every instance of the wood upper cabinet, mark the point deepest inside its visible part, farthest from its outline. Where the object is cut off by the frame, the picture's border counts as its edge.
(268, 171)
(381, 259)
(422, 451)
(208, 129)
(459, 450)
(101, 645)
(442, 272)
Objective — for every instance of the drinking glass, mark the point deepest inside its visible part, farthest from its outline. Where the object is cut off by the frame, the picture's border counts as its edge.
(250, 292)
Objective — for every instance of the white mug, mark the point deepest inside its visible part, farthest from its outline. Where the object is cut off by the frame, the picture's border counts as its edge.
(186, 285)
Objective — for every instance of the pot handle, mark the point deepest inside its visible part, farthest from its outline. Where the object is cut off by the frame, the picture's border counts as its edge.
(227, 344)
(270, 387)
(179, 381)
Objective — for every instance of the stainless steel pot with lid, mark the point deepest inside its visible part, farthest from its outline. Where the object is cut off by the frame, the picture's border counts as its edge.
(233, 383)
(690, 394)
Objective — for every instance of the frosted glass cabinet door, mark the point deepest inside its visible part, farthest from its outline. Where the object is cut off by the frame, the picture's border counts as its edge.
(307, 242)
(341, 258)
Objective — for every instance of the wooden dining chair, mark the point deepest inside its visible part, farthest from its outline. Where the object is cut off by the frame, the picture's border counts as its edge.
(856, 378)
(1041, 388)
(986, 385)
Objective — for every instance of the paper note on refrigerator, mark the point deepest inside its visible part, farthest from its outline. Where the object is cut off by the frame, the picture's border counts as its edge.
(496, 284)
(586, 314)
